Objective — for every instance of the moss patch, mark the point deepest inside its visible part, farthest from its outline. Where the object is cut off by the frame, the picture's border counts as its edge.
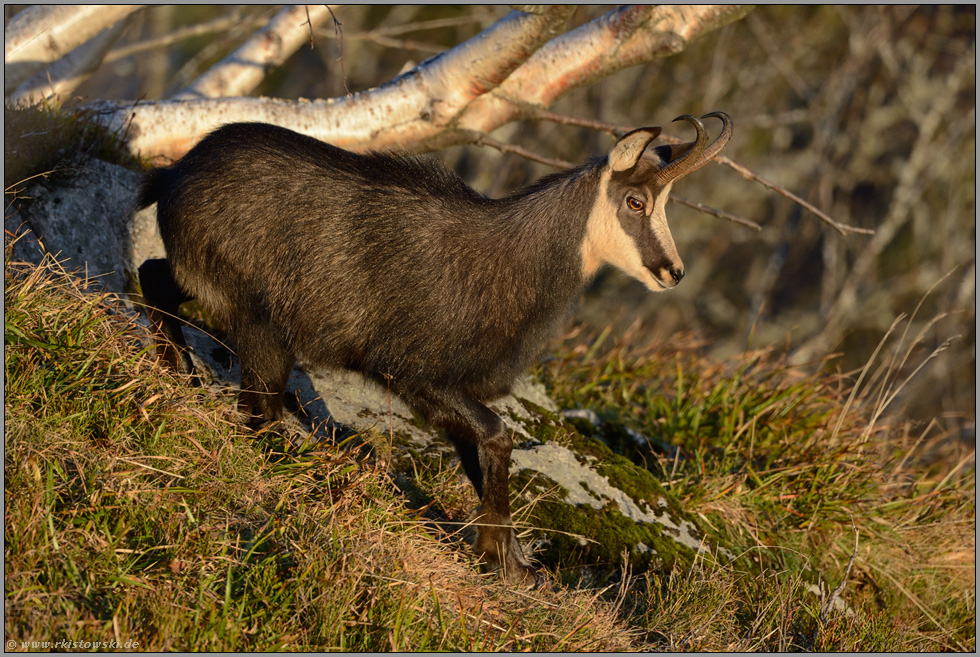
(582, 536)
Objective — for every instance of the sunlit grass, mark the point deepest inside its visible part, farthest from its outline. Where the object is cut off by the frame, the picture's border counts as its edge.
(789, 467)
(138, 509)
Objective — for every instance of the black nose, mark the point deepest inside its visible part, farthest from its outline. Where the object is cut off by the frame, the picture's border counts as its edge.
(676, 274)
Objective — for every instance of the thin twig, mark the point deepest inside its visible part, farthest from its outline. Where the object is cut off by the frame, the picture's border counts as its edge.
(753, 177)
(383, 35)
(564, 164)
(612, 128)
(339, 35)
(216, 25)
(619, 130)
(310, 23)
(403, 44)
(503, 147)
(417, 26)
(721, 214)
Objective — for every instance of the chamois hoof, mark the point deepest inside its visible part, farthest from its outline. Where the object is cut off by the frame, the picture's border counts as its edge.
(515, 569)
(522, 576)
(536, 580)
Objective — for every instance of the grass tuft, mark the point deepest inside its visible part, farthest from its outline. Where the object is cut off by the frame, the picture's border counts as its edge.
(138, 510)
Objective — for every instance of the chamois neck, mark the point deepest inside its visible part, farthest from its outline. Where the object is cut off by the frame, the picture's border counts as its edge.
(552, 214)
(529, 247)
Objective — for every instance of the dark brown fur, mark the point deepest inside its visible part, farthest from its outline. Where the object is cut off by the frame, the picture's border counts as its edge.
(388, 266)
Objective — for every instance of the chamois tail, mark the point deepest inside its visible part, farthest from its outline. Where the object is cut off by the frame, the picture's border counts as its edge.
(154, 184)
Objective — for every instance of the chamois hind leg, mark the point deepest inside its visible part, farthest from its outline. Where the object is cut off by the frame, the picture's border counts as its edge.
(163, 297)
(265, 364)
(484, 445)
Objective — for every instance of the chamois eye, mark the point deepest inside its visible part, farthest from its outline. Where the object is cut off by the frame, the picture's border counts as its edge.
(634, 204)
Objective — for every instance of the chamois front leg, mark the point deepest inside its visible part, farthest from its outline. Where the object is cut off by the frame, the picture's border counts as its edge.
(266, 363)
(484, 445)
(163, 297)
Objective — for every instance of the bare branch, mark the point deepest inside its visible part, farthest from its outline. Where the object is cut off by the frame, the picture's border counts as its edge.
(721, 214)
(843, 229)
(504, 147)
(220, 24)
(619, 39)
(309, 22)
(338, 31)
(241, 71)
(383, 35)
(43, 34)
(613, 129)
(619, 130)
(403, 44)
(410, 111)
(467, 72)
(418, 26)
(751, 176)
(421, 109)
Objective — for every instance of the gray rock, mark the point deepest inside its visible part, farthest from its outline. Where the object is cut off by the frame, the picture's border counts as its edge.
(83, 216)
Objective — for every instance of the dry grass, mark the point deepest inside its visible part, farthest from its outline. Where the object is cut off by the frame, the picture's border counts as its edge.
(138, 511)
(788, 468)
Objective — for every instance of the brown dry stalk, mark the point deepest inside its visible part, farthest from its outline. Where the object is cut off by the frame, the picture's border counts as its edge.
(504, 147)
(721, 214)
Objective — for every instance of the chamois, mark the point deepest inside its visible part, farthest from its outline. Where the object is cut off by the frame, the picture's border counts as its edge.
(395, 268)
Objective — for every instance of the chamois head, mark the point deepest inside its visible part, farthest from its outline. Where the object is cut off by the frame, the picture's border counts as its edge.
(627, 225)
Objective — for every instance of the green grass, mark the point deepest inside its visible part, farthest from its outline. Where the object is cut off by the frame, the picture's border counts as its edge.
(138, 509)
(787, 468)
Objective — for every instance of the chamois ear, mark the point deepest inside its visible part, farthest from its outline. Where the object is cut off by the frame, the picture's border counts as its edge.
(627, 151)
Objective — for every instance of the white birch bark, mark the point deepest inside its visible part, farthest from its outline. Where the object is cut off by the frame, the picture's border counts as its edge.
(64, 76)
(452, 98)
(241, 71)
(42, 34)
(621, 38)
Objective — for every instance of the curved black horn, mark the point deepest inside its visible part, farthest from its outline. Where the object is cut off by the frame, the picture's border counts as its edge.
(690, 160)
(721, 141)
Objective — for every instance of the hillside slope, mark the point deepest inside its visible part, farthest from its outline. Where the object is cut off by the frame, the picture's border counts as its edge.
(137, 510)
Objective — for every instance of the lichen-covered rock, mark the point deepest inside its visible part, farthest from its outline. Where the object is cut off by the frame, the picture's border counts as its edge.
(596, 505)
(84, 217)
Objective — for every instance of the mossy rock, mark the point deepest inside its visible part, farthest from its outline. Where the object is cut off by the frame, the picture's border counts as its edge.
(591, 512)
(581, 535)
